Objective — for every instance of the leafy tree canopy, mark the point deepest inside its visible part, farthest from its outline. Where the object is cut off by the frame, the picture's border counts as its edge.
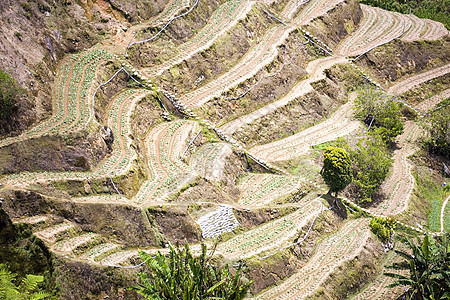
(428, 263)
(187, 277)
(336, 169)
(370, 163)
(380, 112)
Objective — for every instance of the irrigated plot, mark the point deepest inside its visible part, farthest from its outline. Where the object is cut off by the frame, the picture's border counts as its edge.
(118, 163)
(209, 160)
(271, 235)
(72, 95)
(223, 19)
(164, 145)
(261, 189)
(339, 124)
(330, 253)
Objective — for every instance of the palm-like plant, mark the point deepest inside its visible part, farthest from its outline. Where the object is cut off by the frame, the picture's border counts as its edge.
(428, 263)
(27, 289)
(187, 277)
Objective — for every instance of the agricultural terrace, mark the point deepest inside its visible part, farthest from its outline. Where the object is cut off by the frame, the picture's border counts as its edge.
(182, 156)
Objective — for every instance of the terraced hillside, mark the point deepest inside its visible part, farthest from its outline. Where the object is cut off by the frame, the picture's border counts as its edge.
(191, 173)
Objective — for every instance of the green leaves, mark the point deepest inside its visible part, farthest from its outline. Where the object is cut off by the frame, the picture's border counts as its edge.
(188, 277)
(380, 112)
(26, 290)
(336, 168)
(428, 263)
(9, 92)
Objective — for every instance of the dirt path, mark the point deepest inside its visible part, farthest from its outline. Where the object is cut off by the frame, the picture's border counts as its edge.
(409, 83)
(400, 183)
(315, 71)
(339, 124)
(443, 213)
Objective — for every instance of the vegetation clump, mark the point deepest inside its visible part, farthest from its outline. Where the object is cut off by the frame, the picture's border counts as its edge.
(9, 93)
(380, 112)
(428, 264)
(370, 164)
(438, 141)
(382, 227)
(336, 169)
(184, 276)
(27, 289)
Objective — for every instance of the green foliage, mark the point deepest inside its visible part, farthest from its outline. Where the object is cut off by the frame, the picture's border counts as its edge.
(438, 141)
(428, 263)
(336, 169)
(380, 112)
(371, 162)
(28, 288)
(184, 276)
(9, 92)
(430, 9)
(382, 227)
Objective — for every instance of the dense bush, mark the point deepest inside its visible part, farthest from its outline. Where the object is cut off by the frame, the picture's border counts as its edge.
(184, 276)
(437, 10)
(371, 162)
(9, 92)
(438, 141)
(380, 112)
(382, 227)
(336, 170)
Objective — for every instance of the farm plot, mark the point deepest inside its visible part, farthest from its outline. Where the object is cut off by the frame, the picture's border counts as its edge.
(430, 103)
(72, 93)
(400, 183)
(172, 9)
(339, 124)
(330, 253)
(209, 160)
(408, 83)
(119, 113)
(261, 189)
(315, 71)
(423, 29)
(253, 61)
(270, 235)
(315, 9)
(378, 26)
(377, 289)
(164, 145)
(224, 18)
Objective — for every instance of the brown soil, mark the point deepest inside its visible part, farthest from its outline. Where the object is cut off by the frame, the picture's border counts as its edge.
(78, 152)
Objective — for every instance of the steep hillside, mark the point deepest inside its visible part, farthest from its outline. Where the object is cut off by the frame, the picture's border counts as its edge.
(145, 123)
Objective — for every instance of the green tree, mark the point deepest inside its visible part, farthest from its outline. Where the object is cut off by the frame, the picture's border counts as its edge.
(27, 289)
(428, 263)
(380, 112)
(9, 92)
(187, 277)
(336, 169)
(438, 127)
(371, 162)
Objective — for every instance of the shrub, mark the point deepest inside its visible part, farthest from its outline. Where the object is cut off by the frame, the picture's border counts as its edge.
(382, 227)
